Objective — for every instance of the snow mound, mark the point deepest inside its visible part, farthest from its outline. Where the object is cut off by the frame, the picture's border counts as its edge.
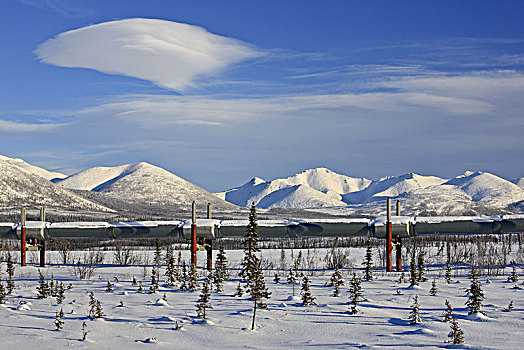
(161, 302)
(23, 307)
(477, 316)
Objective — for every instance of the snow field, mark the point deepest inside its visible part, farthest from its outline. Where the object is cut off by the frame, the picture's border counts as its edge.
(28, 321)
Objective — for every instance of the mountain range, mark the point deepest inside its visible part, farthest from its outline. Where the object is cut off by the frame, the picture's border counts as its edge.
(147, 190)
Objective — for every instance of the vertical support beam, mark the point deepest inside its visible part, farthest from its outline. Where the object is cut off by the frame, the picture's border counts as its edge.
(398, 251)
(209, 250)
(193, 235)
(209, 210)
(398, 208)
(22, 238)
(42, 244)
(389, 238)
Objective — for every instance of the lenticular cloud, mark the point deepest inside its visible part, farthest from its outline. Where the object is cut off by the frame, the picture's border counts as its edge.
(169, 54)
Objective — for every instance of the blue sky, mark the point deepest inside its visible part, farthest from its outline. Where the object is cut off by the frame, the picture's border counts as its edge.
(221, 91)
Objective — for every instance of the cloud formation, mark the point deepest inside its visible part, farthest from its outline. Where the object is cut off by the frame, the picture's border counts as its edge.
(14, 127)
(169, 54)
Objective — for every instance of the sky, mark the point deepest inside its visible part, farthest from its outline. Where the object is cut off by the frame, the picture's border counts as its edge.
(218, 92)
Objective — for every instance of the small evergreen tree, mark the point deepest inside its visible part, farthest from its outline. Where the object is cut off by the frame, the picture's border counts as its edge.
(456, 334)
(337, 280)
(43, 287)
(307, 298)
(10, 273)
(508, 309)
(157, 258)
(52, 286)
(203, 301)
(421, 267)
(401, 278)
(109, 287)
(448, 313)
(59, 324)
(154, 279)
(476, 295)
(84, 331)
(239, 291)
(414, 316)
(276, 279)
(355, 294)
(135, 282)
(60, 294)
(193, 282)
(92, 304)
(98, 310)
(514, 277)
(217, 281)
(292, 278)
(2, 292)
(413, 276)
(448, 274)
(433, 290)
(221, 264)
(171, 269)
(140, 287)
(368, 263)
(258, 291)
(250, 260)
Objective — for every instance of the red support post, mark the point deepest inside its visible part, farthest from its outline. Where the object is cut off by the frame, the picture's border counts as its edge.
(194, 244)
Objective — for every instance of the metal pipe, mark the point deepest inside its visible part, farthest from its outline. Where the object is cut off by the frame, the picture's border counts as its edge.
(209, 210)
(398, 208)
(209, 250)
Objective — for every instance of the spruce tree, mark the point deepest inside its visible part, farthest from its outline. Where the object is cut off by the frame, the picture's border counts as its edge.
(421, 267)
(355, 294)
(456, 334)
(250, 260)
(2, 292)
(59, 324)
(135, 282)
(401, 278)
(448, 274)
(140, 287)
(448, 313)
(184, 278)
(508, 309)
(52, 286)
(433, 290)
(10, 273)
(43, 287)
(92, 304)
(203, 302)
(217, 281)
(307, 298)
(514, 277)
(337, 280)
(221, 264)
(292, 278)
(98, 310)
(414, 316)
(476, 295)
(239, 291)
(276, 279)
(368, 263)
(258, 291)
(84, 331)
(171, 269)
(193, 282)
(60, 294)
(109, 287)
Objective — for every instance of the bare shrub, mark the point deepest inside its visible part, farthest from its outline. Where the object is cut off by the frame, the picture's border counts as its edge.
(84, 266)
(124, 254)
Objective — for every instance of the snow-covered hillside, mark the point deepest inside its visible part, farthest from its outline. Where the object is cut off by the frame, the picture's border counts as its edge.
(48, 175)
(467, 194)
(313, 188)
(141, 182)
(519, 182)
(19, 187)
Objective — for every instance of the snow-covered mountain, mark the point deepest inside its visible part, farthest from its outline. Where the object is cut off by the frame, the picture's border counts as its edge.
(313, 188)
(20, 187)
(467, 194)
(141, 182)
(519, 182)
(48, 175)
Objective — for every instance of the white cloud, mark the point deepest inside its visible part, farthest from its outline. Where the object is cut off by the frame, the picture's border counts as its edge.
(14, 127)
(169, 54)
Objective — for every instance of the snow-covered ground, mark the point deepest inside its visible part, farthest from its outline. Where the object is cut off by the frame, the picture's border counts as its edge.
(132, 317)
